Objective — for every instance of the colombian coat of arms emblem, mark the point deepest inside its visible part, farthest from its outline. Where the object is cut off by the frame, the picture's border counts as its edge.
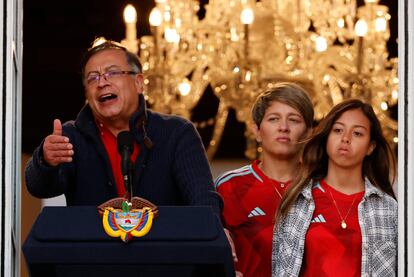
(127, 222)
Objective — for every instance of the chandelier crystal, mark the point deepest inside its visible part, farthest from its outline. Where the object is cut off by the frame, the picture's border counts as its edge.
(334, 49)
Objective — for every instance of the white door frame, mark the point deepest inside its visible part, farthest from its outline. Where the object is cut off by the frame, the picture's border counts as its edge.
(406, 138)
(11, 67)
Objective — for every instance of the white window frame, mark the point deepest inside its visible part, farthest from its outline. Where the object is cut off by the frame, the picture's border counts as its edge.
(406, 138)
(11, 67)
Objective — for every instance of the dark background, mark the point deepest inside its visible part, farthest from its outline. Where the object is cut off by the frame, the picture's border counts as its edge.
(55, 35)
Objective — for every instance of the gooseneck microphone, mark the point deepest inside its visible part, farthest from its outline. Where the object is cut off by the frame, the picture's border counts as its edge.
(125, 143)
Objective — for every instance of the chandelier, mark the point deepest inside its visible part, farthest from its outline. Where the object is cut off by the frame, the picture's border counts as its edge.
(334, 49)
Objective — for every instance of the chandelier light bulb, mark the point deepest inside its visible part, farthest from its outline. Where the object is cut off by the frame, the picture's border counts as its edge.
(167, 15)
(326, 78)
(155, 17)
(178, 22)
(341, 23)
(130, 14)
(321, 44)
(233, 34)
(236, 69)
(361, 28)
(130, 18)
(171, 35)
(199, 46)
(247, 16)
(384, 106)
(248, 76)
(184, 87)
(380, 24)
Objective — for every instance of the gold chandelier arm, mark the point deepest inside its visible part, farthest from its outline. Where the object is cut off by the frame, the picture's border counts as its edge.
(221, 119)
(199, 82)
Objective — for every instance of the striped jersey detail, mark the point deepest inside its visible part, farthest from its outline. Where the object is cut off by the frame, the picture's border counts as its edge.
(256, 212)
(319, 219)
(245, 170)
(318, 186)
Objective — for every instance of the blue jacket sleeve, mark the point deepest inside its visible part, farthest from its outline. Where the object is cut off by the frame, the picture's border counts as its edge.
(45, 181)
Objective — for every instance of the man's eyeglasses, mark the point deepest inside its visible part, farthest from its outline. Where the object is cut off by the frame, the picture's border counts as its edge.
(93, 78)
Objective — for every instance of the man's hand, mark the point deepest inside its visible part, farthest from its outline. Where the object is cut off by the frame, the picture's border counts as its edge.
(57, 149)
(233, 250)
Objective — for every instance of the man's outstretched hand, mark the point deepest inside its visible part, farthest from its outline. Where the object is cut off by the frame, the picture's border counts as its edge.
(56, 148)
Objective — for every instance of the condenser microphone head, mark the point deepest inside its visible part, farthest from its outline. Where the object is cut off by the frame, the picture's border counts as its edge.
(125, 141)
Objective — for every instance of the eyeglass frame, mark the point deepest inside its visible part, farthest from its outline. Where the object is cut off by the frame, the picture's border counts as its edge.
(105, 75)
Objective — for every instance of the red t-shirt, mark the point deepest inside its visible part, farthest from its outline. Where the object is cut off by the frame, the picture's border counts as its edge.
(331, 250)
(110, 143)
(250, 205)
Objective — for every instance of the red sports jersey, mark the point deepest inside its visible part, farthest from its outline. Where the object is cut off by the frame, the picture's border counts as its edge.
(251, 200)
(331, 250)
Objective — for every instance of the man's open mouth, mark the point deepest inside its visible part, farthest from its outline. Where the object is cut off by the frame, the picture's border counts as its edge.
(107, 97)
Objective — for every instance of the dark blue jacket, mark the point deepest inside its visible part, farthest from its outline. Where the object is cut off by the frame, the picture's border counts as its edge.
(174, 171)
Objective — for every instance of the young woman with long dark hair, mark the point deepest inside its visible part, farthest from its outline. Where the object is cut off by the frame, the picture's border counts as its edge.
(339, 218)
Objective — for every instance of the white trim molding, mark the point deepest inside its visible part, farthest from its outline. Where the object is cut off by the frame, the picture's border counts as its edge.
(406, 138)
(11, 25)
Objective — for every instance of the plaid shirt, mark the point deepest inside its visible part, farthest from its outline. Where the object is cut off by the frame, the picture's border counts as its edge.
(377, 214)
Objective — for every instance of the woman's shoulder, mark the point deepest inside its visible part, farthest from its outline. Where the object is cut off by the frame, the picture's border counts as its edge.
(388, 202)
(235, 177)
(379, 198)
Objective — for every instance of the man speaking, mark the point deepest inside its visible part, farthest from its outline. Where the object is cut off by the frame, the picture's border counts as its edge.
(80, 159)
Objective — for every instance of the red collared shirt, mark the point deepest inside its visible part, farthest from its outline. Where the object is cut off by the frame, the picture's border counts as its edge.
(110, 143)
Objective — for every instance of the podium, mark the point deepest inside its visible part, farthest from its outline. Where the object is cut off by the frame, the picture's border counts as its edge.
(184, 241)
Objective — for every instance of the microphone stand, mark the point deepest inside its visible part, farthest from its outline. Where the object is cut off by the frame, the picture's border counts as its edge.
(130, 175)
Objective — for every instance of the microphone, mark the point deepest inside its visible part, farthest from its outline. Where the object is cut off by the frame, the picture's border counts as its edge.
(125, 143)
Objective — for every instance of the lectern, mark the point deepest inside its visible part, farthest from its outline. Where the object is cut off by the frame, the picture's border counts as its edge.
(184, 241)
